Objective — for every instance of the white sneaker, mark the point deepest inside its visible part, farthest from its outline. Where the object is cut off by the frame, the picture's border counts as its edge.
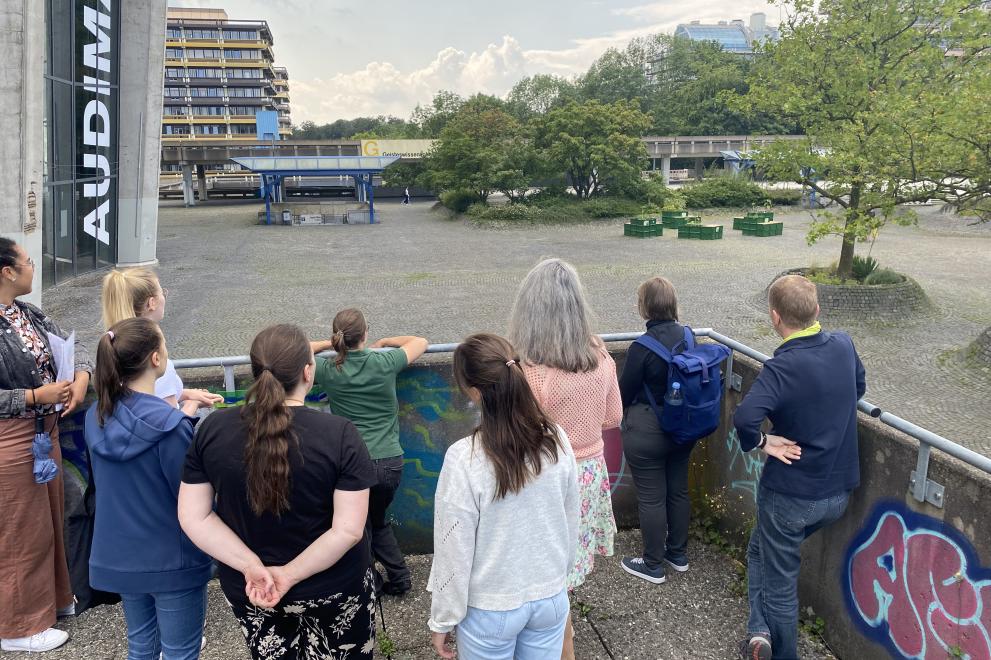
(43, 641)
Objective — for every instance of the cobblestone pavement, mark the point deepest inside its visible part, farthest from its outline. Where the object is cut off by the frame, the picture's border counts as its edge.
(698, 615)
(419, 272)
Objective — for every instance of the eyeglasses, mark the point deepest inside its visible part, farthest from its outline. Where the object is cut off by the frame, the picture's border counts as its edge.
(29, 262)
(165, 292)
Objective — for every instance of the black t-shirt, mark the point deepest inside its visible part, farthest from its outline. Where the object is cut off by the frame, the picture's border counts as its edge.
(329, 456)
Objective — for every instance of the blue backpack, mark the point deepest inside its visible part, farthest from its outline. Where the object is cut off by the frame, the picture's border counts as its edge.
(696, 368)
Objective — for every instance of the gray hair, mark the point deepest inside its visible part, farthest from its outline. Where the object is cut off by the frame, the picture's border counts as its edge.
(551, 323)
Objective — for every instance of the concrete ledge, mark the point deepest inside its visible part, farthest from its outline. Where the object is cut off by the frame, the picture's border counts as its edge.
(980, 349)
(882, 302)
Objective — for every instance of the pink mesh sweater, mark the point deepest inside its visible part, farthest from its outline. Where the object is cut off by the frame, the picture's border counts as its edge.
(582, 403)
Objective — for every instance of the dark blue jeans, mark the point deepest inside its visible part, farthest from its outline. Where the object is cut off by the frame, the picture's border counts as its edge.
(773, 561)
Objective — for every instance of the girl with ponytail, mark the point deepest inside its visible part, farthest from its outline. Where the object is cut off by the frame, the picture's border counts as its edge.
(290, 486)
(361, 384)
(137, 444)
(136, 292)
(490, 572)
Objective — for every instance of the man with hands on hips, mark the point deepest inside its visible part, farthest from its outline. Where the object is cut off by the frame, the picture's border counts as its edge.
(809, 392)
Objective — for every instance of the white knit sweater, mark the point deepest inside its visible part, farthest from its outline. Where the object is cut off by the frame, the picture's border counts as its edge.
(498, 555)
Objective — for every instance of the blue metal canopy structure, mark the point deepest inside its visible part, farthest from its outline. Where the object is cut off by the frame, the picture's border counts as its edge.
(274, 169)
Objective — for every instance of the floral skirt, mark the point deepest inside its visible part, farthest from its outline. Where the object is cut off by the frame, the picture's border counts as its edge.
(336, 627)
(596, 524)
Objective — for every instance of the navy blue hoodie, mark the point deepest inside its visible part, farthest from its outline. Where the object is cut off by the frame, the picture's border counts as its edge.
(137, 459)
(809, 391)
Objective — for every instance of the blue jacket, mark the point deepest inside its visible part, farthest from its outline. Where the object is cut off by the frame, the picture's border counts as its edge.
(809, 391)
(137, 458)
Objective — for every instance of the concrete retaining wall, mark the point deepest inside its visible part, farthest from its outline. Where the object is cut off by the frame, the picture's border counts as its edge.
(891, 577)
(884, 302)
(980, 350)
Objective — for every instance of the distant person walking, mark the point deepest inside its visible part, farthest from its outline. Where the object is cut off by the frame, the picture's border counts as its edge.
(34, 575)
(137, 443)
(809, 392)
(278, 494)
(573, 378)
(361, 385)
(501, 583)
(659, 465)
(406, 195)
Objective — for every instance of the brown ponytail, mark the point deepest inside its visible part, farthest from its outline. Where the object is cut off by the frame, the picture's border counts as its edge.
(121, 356)
(349, 331)
(278, 355)
(515, 433)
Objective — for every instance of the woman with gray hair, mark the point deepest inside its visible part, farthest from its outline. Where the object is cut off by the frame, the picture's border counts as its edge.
(574, 379)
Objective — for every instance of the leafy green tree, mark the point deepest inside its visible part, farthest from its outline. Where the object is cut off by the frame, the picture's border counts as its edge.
(618, 75)
(382, 126)
(479, 150)
(535, 95)
(597, 145)
(879, 84)
(432, 118)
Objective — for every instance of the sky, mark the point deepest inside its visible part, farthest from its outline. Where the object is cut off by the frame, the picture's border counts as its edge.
(347, 60)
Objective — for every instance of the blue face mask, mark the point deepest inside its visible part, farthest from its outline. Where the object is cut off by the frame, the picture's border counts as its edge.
(45, 468)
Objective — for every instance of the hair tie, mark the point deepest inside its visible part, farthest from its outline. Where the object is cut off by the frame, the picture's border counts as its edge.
(339, 334)
(510, 363)
(110, 333)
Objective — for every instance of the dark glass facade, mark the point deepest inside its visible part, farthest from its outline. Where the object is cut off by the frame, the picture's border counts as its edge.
(81, 141)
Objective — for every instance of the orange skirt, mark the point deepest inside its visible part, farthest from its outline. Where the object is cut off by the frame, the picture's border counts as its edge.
(34, 576)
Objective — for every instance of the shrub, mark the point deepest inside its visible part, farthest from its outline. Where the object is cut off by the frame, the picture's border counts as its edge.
(863, 267)
(723, 191)
(884, 276)
(783, 197)
(459, 200)
(610, 207)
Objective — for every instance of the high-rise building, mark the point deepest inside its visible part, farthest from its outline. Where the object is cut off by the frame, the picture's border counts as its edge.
(219, 73)
(734, 36)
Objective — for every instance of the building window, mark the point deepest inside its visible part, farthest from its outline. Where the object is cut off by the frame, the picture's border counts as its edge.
(174, 33)
(203, 53)
(173, 53)
(242, 111)
(208, 110)
(202, 34)
(176, 110)
(241, 54)
(244, 92)
(243, 129)
(174, 72)
(210, 129)
(245, 73)
(206, 73)
(175, 130)
(205, 91)
(175, 92)
(240, 35)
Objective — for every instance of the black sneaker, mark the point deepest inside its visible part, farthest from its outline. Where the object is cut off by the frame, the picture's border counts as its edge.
(679, 564)
(636, 566)
(396, 588)
(755, 648)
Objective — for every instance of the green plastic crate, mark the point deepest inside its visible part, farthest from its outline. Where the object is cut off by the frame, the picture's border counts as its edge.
(643, 222)
(669, 213)
(711, 232)
(690, 231)
(642, 231)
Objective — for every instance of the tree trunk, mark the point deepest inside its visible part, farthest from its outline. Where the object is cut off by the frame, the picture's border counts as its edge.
(844, 270)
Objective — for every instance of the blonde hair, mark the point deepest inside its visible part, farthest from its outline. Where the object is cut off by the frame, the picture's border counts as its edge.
(657, 300)
(125, 293)
(795, 300)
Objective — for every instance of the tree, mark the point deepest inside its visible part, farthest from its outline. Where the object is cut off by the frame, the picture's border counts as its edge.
(535, 95)
(597, 145)
(382, 126)
(432, 119)
(480, 149)
(878, 86)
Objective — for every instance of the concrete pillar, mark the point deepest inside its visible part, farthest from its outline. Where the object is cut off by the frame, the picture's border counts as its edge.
(201, 181)
(699, 168)
(142, 71)
(22, 104)
(666, 170)
(188, 197)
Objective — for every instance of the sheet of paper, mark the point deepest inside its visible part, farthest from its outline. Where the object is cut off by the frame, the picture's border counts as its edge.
(64, 355)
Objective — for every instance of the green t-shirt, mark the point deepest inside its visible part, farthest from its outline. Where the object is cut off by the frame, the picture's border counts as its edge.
(364, 391)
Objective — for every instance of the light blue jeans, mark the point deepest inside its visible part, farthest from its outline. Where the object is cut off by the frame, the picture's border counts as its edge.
(533, 631)
(170, 623)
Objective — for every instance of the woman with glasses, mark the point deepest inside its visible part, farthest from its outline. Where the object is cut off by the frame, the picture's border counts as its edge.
(136, 292)
(34, 576)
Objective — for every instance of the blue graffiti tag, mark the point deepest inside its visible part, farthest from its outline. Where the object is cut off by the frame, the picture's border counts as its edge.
(750, 462)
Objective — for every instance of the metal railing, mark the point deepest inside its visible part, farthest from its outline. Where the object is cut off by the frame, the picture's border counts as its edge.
(923, 489)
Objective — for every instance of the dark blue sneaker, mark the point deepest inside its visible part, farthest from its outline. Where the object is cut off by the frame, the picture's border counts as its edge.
(636, 566)
(679, 564)
(755, 648)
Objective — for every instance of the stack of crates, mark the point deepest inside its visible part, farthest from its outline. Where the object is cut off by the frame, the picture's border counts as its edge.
(674, 219)
(765, 228)
(643, 228)
(752, 218)
(701, 232)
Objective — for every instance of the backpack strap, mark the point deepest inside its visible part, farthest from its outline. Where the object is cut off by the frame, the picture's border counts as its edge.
(655, 347)
(689, 339)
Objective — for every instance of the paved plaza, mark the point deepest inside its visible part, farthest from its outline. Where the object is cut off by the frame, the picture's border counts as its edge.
(419, 272)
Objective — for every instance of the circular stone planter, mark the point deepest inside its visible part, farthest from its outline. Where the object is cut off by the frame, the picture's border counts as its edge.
(980, 350)
(888, 303)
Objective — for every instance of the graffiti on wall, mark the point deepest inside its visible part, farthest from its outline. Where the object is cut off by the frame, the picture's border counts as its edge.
(915, 585)
(747, 463)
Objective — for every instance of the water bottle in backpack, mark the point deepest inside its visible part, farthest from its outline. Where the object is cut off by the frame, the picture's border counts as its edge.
(674, 396)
